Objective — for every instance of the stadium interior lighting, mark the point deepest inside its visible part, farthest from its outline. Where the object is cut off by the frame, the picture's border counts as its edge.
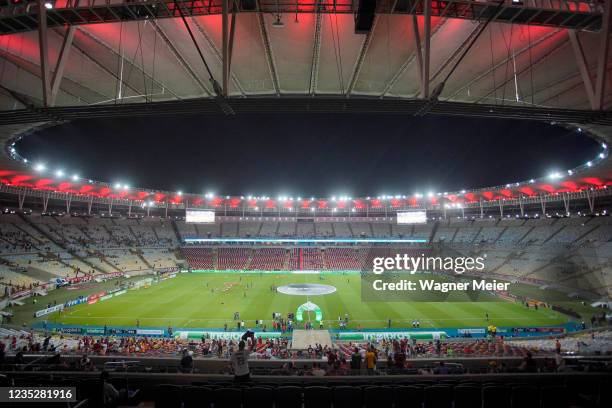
(117, 186)
(48, 5)
(555, 176)
(532, 181)
(59, 173)
(180, 193)
(589, 164)
(75, 177)
(430, 194)
(126, 187)
(601, 155)
(39, 167)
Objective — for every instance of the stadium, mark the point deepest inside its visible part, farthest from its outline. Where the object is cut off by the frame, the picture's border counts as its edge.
(483, 294)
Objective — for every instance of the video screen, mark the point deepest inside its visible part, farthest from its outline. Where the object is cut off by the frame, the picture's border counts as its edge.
(199, 216)
(411, 217)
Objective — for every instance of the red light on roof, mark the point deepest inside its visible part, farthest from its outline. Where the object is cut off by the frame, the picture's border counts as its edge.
(43, 183)
(594, 181)
(488, 195)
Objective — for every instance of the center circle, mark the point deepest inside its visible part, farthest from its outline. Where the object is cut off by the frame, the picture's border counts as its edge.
(306, 289)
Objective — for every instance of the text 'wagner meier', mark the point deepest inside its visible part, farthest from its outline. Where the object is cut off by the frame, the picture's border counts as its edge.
(413, 264)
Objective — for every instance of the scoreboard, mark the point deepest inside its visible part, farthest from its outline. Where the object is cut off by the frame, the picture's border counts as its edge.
(199, 216)
(412, 217)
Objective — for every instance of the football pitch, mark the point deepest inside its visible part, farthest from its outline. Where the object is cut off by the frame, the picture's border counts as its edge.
(209, 300)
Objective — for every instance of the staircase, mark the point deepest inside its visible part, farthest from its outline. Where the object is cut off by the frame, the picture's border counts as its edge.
(176, 231)
(142, 258)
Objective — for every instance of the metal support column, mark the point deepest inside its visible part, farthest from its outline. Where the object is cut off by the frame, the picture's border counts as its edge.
(45, 199)
(427, 50)
(225, 45)
(61, 64)
(602, 65)
(21, 197)
(44, 52)
(591, 201)
(566, 203)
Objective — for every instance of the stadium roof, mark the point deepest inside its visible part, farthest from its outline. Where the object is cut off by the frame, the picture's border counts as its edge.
(535, 59)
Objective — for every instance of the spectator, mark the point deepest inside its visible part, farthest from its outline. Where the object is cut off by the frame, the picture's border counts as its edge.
(239, 361)
(187, 361)
(111, 396)
(441, 368)
(85, 363)
(370, 359)
(529, 364)
(355, 361)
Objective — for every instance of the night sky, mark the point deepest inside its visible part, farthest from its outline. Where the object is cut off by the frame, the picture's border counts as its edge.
(307, 154)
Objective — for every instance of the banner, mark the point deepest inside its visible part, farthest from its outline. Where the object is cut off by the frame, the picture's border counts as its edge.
(377, 336)
(471, 331)
(167, 269)
(110, 275)
(49, 310)
(71, 330)
(223, 335)
(149, 332)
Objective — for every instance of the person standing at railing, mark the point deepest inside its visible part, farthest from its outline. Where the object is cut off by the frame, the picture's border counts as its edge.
(239, 361)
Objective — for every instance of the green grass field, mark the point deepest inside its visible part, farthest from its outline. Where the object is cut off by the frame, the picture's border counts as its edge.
(202, 300)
